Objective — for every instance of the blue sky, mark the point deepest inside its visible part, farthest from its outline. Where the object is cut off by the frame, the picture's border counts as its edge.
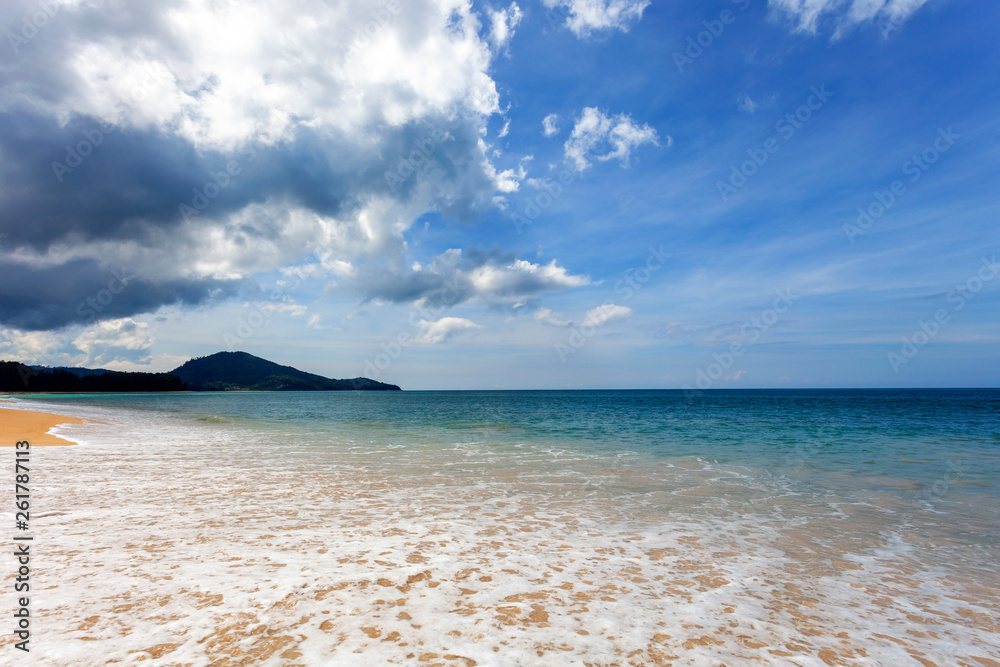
(573, 220)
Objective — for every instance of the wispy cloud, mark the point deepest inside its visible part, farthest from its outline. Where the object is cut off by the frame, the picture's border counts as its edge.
(502, 24)
(586, 16)
(606, 313)
(550, 125)
(597, 136)
(443, 330)
(807, 14)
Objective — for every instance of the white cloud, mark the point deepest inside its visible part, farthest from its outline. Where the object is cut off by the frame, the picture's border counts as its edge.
(348, 88)
(507, 180)
(117, 344)
(281, 304)
(520, 279)
(600, 137)
(454, 277)
(546, 316)
(846, 13)
(605, 313)
(586, 16)
(502, 24)
(443, 329)
(258, 70)
(550, 125)
(37, 347)
(113, 341)
(341, 268)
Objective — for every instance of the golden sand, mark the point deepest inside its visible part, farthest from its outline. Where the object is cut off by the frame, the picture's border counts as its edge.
(18, 425)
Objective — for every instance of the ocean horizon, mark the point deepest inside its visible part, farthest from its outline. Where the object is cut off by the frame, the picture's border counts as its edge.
(559, 527)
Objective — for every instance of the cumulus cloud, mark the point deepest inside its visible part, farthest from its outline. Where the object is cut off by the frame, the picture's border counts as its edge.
(502, 24)
(550, 125)
(585, 16)
(199, 146)
(115, 341)
(491, 277)
(443, 329)
(601, 137)
(222, 79)
(121, 343)
(37, 347)
(807, 14)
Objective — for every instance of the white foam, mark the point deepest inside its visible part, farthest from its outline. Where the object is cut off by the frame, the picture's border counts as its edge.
(223, 542)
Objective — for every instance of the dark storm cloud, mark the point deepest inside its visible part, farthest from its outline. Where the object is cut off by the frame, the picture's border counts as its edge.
(141, 186)
(82, 291)
(90, 181)
(158, 185)
(124, 177)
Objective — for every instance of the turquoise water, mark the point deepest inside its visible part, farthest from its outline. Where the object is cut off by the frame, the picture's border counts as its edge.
(922, 435)
(536, 527)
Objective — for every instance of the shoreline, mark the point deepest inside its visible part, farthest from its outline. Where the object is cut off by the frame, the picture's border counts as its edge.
(33, 426)
(172, 538)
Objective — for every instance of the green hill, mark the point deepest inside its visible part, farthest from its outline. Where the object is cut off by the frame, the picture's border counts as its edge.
(239, 371)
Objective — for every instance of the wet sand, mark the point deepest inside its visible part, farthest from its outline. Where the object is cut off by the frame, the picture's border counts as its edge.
(16, 425)
(217, 544)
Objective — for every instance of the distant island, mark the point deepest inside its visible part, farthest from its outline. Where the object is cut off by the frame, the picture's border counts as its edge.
(239, 371)
(222, 371)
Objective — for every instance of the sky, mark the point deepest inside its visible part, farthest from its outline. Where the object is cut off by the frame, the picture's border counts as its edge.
(536, 194)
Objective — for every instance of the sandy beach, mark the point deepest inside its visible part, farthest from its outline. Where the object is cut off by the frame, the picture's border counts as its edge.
(34, 427)
(207, 538)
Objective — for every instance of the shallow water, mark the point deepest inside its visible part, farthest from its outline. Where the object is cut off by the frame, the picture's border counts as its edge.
(520, 528)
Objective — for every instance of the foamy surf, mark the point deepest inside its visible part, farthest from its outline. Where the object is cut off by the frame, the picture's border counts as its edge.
(171, 541)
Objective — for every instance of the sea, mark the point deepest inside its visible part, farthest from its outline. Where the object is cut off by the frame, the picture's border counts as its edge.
(591, 528)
